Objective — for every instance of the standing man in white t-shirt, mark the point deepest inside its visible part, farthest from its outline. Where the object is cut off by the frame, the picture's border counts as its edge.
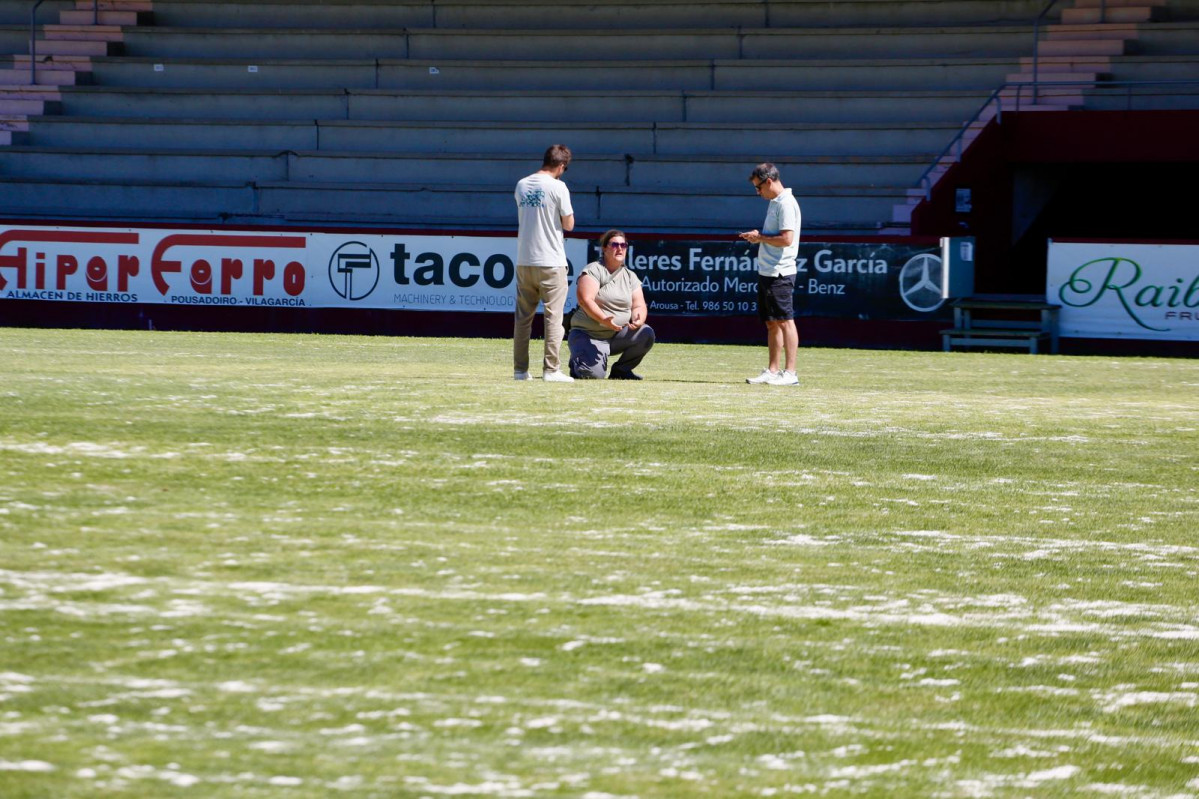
(778, 244)
(544, 213)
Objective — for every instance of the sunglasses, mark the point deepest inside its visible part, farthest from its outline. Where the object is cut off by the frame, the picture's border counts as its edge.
(758, 186)
(618, 245)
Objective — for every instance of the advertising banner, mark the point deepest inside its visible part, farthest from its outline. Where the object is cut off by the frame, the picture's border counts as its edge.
(1135, 291)
(302, 269)
(261, 268)
(845, 280)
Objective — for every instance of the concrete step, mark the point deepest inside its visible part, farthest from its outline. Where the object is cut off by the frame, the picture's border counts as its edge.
(116, 5)
(93, 164)
(852, 210)
(78, 63)
(1114, 4)
(78, 33)
(1026, 104)
(1169, 38)
(129, 200)
(1114, 31)
(165, 134)
(10, 106)
(1156, 68)
(567, 44)
(45, 77)
(1094, 16)
(1081, 47)
(344, 14)
(1069, 62)
(1047, 76)
(532, 107)
(47, 47)
(913, 74)
(14, 38)
(16, 12)
(14, 123)
(682, 139)
(710, 174)
(1120, 99)
(539, 14)
(811, 138)
(28, 92)
(1045, 98)
(119, 18)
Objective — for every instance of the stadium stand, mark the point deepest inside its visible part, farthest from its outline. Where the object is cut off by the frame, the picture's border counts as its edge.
(425, 113)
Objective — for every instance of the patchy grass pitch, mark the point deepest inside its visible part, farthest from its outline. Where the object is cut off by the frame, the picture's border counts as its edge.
(314, 566)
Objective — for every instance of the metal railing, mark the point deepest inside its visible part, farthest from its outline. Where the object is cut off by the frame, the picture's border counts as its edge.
(957, 142)
(1036, 36)
(1036, 40)
(33, 36)
(1127, 89)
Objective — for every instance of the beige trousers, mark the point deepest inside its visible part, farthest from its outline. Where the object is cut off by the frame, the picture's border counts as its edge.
(536, 284)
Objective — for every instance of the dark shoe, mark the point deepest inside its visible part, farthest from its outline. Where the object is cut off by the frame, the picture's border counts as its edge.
(617, 375)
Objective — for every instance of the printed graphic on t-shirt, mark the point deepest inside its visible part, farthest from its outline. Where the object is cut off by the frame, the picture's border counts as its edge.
(533, 199)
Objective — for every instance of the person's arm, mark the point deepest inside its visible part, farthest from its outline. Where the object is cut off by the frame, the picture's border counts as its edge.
(784, 238)
(588, 288)
(568, 223)
(640, 310)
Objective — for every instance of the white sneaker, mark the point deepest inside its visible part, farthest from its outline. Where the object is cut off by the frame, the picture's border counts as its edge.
(557, 377)
(765, 377)
(783, 378)
(520, 375)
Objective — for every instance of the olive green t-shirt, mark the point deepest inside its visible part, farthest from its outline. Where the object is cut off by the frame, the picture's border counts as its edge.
(615, 298)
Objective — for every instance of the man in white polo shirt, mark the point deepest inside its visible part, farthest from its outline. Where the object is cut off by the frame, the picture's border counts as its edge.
(544, 213)
(778, 244)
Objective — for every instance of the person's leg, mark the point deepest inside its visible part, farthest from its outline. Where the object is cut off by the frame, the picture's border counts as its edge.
(768, 313)
(632, 346)
(588, 356)
(528, 294)
(774, 342)
(783, 291)
(553, 294)
(790, 343)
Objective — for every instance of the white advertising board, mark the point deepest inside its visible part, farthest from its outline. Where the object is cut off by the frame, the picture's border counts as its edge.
(262, 268)
(1131, 291)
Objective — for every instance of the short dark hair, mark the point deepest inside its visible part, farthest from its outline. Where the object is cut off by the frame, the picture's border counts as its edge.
(556, 155)
(764, 171)
(611, 234)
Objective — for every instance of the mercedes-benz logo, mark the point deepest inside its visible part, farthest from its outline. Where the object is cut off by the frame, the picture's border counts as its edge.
(920, 283)
(353, 270)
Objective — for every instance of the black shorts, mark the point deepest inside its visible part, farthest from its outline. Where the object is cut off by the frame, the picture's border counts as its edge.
(776, 298)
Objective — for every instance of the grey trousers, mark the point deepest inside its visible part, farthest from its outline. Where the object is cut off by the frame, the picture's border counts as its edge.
(589, 356)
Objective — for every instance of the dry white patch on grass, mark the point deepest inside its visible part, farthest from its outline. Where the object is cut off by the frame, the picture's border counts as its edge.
(44, 590)
(26, 765)
(1114, 701)
(84, 449)
(1030, 547)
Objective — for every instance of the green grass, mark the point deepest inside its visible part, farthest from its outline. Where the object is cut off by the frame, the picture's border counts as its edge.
(311, 566)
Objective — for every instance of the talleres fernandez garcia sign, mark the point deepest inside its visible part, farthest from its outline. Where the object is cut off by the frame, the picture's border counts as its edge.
(1125, 290)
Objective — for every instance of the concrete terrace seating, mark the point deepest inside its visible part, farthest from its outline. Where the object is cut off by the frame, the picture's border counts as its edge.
(383, 112)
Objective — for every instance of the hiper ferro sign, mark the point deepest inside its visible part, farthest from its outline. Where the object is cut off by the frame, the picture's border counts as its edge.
(260, 268)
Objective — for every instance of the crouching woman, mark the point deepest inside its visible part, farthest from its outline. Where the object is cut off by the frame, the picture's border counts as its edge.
(610, 319)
